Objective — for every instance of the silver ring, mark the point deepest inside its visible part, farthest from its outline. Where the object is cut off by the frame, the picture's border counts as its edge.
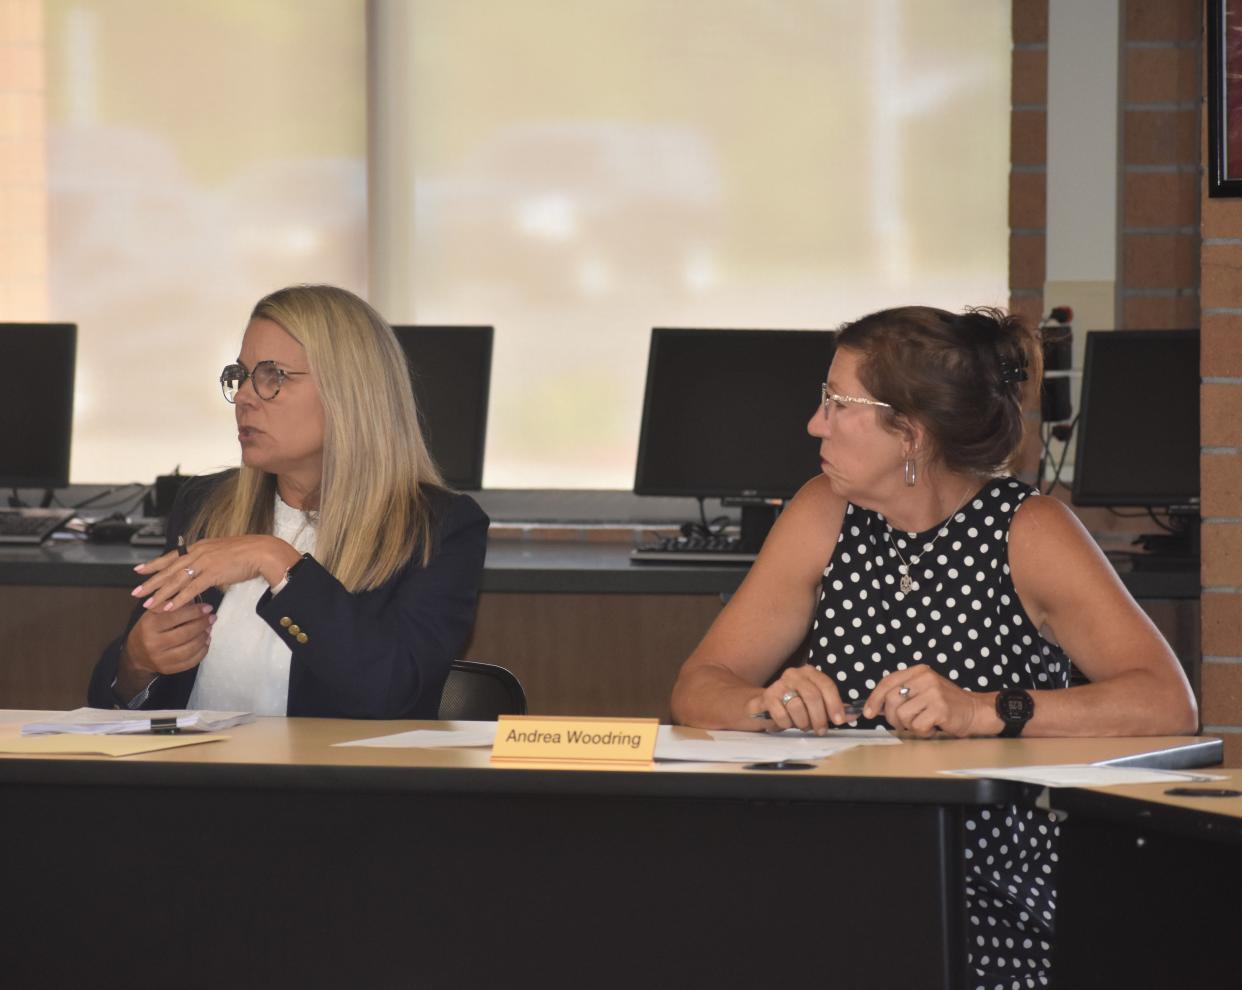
(788, 696)
(190, 572)
(903, 691)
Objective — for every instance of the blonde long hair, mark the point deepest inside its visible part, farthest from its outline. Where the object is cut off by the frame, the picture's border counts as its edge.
(372, 509)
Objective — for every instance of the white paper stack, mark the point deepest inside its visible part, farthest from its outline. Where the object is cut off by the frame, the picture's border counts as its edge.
(731, 746)
(106, 721)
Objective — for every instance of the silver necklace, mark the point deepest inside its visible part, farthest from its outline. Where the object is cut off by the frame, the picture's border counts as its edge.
(906, 584)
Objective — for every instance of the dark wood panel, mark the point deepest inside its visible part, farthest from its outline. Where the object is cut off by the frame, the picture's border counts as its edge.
(593, 654)
(50, 638)
(576, 654)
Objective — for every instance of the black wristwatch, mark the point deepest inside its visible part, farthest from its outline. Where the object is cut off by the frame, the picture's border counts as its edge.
(1015, 708)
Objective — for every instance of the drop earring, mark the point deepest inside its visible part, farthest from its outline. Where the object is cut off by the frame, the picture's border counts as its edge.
(911, 472)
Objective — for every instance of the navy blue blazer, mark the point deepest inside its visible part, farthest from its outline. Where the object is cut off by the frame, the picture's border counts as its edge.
(374, 654)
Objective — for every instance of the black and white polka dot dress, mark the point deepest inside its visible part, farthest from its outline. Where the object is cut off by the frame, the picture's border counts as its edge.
(961, 617)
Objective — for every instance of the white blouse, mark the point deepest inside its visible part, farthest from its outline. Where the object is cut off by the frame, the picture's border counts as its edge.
(247, 665)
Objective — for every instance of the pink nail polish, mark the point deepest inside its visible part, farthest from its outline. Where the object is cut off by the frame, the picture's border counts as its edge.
(147, 603)
(212, 621)
(168, 606)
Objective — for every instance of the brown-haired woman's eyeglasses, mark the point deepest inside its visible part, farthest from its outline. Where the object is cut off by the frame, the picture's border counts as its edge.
(826, 397)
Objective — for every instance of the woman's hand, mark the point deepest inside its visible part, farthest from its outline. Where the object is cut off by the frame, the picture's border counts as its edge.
(919, 701)
(801, 698)
(163, 643)
(173, 580)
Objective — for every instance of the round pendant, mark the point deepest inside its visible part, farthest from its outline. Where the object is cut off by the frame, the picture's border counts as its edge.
(906, 584)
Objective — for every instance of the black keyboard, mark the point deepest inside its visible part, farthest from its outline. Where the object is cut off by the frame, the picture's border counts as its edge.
(714, 549)
(31, 526)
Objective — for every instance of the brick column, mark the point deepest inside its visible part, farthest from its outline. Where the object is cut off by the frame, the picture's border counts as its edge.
(1221, 472)
(1028, 189)
(1221, 466)
(23, 169)
(1161, 97)
(1028, 156)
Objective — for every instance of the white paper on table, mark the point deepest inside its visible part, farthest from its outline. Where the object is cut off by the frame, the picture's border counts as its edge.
(460, 734)
(724, 746)
(732, 746)
(1083, 775)
(108, 721)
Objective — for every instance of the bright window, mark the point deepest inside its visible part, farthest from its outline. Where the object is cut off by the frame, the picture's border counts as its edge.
(583, 171)
(200, 154)
(580, 172)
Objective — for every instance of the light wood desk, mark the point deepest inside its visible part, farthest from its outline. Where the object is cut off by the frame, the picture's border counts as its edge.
(273, 859)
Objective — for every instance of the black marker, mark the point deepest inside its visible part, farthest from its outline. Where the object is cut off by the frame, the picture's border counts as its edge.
(780, 765)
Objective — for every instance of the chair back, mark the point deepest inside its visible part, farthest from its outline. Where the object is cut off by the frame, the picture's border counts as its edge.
(481, 692)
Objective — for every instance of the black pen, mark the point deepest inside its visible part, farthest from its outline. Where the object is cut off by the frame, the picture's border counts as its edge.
(852, 710)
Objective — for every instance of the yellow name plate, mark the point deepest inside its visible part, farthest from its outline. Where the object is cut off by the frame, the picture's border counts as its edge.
(575, 741)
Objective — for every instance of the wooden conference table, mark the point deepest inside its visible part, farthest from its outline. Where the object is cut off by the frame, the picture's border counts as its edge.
(274, 859)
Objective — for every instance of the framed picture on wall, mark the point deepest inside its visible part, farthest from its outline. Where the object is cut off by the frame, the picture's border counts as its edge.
(1224, 36)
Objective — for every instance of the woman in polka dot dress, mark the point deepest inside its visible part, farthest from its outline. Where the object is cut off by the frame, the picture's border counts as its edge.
(942, 596)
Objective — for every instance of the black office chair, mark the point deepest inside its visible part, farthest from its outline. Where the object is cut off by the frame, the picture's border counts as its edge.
(481, 692)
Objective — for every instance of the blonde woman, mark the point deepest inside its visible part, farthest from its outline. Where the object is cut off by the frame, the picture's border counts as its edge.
(331, 574)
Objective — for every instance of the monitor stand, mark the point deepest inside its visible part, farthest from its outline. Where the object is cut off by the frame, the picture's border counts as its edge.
(1168, 549)
(15, 501)
(758, 517)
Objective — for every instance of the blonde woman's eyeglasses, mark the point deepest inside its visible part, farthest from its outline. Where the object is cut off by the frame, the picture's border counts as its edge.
(826, 397)
(266, 379)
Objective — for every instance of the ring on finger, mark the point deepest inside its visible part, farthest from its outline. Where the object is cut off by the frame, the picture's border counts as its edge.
(788, 696)
(903, 691)
(190, 572)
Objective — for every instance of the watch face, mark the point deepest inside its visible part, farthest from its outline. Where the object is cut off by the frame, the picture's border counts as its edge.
(1015, 706)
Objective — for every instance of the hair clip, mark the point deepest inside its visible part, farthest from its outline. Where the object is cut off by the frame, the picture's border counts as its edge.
(1013, 371)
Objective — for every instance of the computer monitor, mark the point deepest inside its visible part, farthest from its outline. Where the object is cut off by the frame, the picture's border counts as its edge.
(451, 368)
(36, 404)
(1138, 432)
(725, 414)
